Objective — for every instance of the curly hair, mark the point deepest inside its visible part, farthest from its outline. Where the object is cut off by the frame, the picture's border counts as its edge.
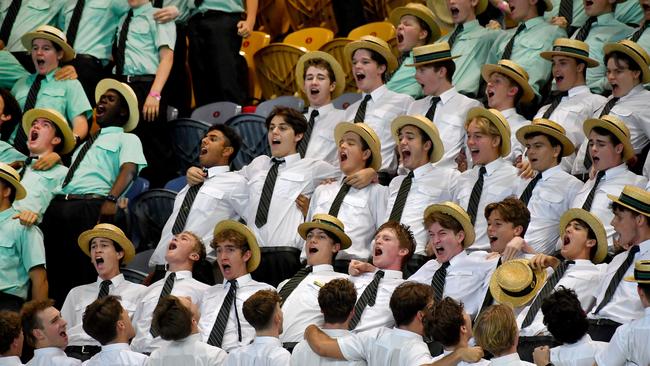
(564, 317)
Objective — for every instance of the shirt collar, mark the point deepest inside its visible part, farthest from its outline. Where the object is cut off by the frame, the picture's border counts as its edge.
(219, 169)
(613, 172)
(422, 170)
(530, 23)
(116, 347)
(509, 112)
(11, 360)
(6, 214)
(583, 262)
(577, 90)
(637, 89)
(458, 257)
(272, 341)
(180, 275)
(49, 352)
(471, 25)
(551, 172)
(377, 93)
(289, 159)
(407, 333)
(644, 246)
(448, 94)
(142, 8)
(111, 129)
(241, 281)
(322, 268)
(605, 18)
(511, 358)
(115, 281)
(192, 338)
(492, 166)
(392, 274)
(322, 110)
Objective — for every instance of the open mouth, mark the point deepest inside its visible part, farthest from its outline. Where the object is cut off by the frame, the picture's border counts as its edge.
(40, 62)
(490, 93)
(226, 267)
(566, 240)
(646, 8)
(512, 9)
(406, 154)
(589, 3)
(99, 260)
(100, 110)
(314, 91)
(359, 76)
(454, 11)
(204, 150)
(559, 78)
(343, 157)
(400, 37)
(615, 87)
(378, 252)
(63, 334)
(172, 246)
(595, 159)
(532, 160)
(313, 250)
(33, 136)
(275, 142)
(474, 153)
(439, 250)
(492, 239)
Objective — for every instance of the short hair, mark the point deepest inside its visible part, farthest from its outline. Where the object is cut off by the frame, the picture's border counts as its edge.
(336, 300)
(423, 135)
(11, 108)
(563, 315)
(12, 189)
(198, 247)
(617, 207)
(404, 237)
(445, 220)
(449, 65)
(233, 236)
(232, 138)
(123, 104)
(425, 26)
(605, 132)
(172, 319)
(485, 126)
(379, 59)
(512, 210)
(30, 320)
(619, 57)
(319, 63)
(444, 320)
(291, 116)
(645, 288)
(260, 307)
(100, 318)
(591, 234)
(10, 329)
(116, 245)
(540, 6)
(407, 299)
(496, 329)
(552, 140)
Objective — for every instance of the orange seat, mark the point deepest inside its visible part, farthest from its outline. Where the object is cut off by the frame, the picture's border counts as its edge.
(310, 38)
(275, 67)
(248, 48)
(335, 48)
(383, 30)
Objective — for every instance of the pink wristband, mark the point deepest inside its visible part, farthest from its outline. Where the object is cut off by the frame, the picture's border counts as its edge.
(155, 95)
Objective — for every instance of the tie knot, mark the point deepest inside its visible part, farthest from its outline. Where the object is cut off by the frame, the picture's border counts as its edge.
(444, 265)
(277, 161)
(591, 20)
(538, 176)
(521, 27)
(30, 159)
(233, 283)
(107, 283)
(379, 274)
(482, 171)
(569, 262)
(600, 175)
(435, 100)
(314, 114)
(172, 276)
(367, 98)
(633, 250)
(410, 175)
(459, 28)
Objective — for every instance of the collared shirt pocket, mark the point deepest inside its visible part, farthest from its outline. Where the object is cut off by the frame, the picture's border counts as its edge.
(38, 5)
(52, 96)
(289, 185)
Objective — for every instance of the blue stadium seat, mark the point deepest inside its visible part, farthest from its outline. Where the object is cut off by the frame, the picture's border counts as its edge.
(186, 136)
(253, 132)
(176, 184)
(216, 113)
(150, 211)
(265, 108)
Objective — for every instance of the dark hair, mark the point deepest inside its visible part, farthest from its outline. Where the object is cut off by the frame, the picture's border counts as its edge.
(449, 65)
(172, 319)
(512, 210)
(100, 318)
(232, 138)
(552, 140)
(540, 6)
(12, 195)
(330, 235)
(291, 116)
(118, 248)
(123, 104)
(11, 108)
(404, 236)
(321, 64)
(445, 220)
(645, 288)
(379, 59)
(10, 329)
(260, 308)
(444, 320)
(605, 132)
(423, 135)
(30, 320)
(425, 27)
(564, 317)
(336, 300)
(619, 56)
(591, 234)
(617, 207)
(407, 299)
(233, 236)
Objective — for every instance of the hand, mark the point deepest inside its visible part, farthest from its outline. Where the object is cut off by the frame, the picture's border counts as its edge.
(18, 164)
(525, 169)
(195, 175)
(461, 160)
(47, 161)
(327, 181)
(166, 14)
(493, 24)
(67, 72)
(470, 354)
(358, 267)
(150, 108)
(560, 22)
(542, 356)
(541, 261)
(244, 28)
(27, 218)
(303, 204)
(514, 247)
(107, 212)
(362, 178)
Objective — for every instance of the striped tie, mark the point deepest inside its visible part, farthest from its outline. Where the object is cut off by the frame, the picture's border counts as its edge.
(557, 99)
(528, 192)
(590, 197)
(507, 52)
(488, 299)
(77, 161)
(103, 289)
(121, 44)
(267, 193)
(361, 112)
(618, 276)
(566, 11)
(26, 164)
(367, 298)
(73, 27)
(291, 285)
(302, 145)
(431, 112)
(543, 294)
(10, 19)
(20, 141)
(166, 290)
(475, 197)
(216, 335)
(400, 201)
(454, 35)
(183, 213)
(438, 281)
(338, 200)
(583, 32)
(639, 32)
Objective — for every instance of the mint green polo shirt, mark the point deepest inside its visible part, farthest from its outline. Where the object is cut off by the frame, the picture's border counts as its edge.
(629, 12)
(11, 70)
(579, 15)
(32, 14)
(183, 7)
(8, 154)
(403, 79)
(41, 186)
(227, 6)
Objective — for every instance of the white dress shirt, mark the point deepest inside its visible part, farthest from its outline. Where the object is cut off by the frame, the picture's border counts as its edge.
(188, 351)
(551, 197)
(52, 356)
(583, 277)
(481, 362)
(386, 346)
(264, 351)
(612, 183)
(380, 314)
(303, 355)
(629, 345)
(515, 121)
(468, 277)
(301, 307)
(625, 305)
(381, 110)
(499, 182)
(184, 285)
(12, 361)
(362, 212)
(222, 196)
(430, 184)
(451, 112)
(509, 360)
(117, 354)
(321, 143)
(81, 296)
(572, 111)
(581, 353)
(295, 176)
(211, 304)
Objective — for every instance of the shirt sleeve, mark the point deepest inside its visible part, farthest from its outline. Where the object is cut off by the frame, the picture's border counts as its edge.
(356, 347)
(77, 101)
(166, 35)
(380, 203)
(131, 151)
(614, 354)
(32, 248)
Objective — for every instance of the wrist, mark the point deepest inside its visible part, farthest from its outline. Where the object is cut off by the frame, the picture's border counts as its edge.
(155, 95)
(111, 198)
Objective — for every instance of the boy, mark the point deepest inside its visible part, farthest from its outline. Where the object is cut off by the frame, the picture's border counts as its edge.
(434, 70)
(12, 338)
(496, 332)
(262, 310)
(237, 256)
(108, 322)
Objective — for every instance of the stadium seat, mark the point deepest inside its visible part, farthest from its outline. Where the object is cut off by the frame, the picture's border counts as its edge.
(133, 275)
(139, 185)
(344, 100)
(253, 131)
(265, 108)
(248, 48)
(216, 113)
(186, 136)
(275, 66)
(311, 13)
(335, 48)
(150, 211)
(140, 262)
(309, 38)
(176, 184)
(383, 30)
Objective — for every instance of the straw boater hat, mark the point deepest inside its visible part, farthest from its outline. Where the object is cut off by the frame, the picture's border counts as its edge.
(127, 93)
(550, 128)
(641, 272)
(12, 177)
(514, 72)
(367, 134)
(498, 120)
(375, 44)
(570, 48)
(615, 126)
(242, 229)
(431, 53)
(515, 283)
(459, 214)
(327, 223)
(636, 52)
(419, 11)
(596, 226)
(55, 117)
(339, 74)
(634, 198)
(107, 231)
(52, 34)
(424, 124)
(441, 10)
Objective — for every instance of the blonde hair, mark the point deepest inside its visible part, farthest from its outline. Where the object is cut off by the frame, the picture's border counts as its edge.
(484, 125)
(496, 329)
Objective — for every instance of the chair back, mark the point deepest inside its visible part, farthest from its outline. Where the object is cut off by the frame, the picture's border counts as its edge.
(275, 67)
(216, 113)
(248, 48)
(186, 135)
(254, 135)
(176, 184)
(309, 38)
(133, 275)
(150, 212)
(384, 30)
(266, 107)
(335, 48)
(141, 261)
(344, 100)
